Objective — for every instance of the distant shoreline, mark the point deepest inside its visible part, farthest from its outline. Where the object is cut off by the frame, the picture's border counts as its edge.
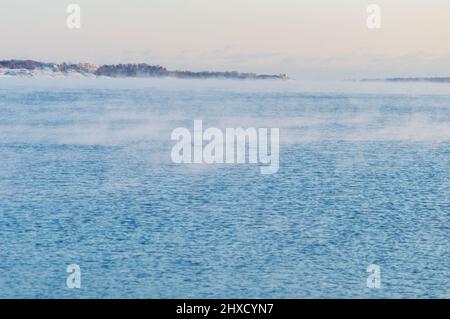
(411, 79)
(31, 68)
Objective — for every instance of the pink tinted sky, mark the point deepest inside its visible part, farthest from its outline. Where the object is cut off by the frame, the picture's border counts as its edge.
(306, 39)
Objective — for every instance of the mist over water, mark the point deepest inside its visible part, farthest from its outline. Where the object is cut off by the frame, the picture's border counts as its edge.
(120, 112)
(86, 178)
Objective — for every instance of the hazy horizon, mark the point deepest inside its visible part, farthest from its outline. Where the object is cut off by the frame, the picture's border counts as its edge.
(307, 40)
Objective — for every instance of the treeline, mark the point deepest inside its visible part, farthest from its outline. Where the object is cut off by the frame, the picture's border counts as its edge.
(129, 70)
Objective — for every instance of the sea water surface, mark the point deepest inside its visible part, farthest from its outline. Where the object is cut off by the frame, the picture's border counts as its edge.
(86, 178)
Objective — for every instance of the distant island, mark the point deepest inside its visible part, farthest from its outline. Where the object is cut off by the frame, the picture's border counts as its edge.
(413, 79)
(30, 68)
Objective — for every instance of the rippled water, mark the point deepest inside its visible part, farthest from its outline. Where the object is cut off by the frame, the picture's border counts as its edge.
(86, 178)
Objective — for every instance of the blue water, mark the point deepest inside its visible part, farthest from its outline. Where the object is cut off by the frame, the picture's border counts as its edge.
(86, 178)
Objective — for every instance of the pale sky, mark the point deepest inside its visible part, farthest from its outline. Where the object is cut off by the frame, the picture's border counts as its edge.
(305, 39)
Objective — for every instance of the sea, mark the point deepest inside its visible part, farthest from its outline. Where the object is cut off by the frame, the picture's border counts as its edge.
(87, 179)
